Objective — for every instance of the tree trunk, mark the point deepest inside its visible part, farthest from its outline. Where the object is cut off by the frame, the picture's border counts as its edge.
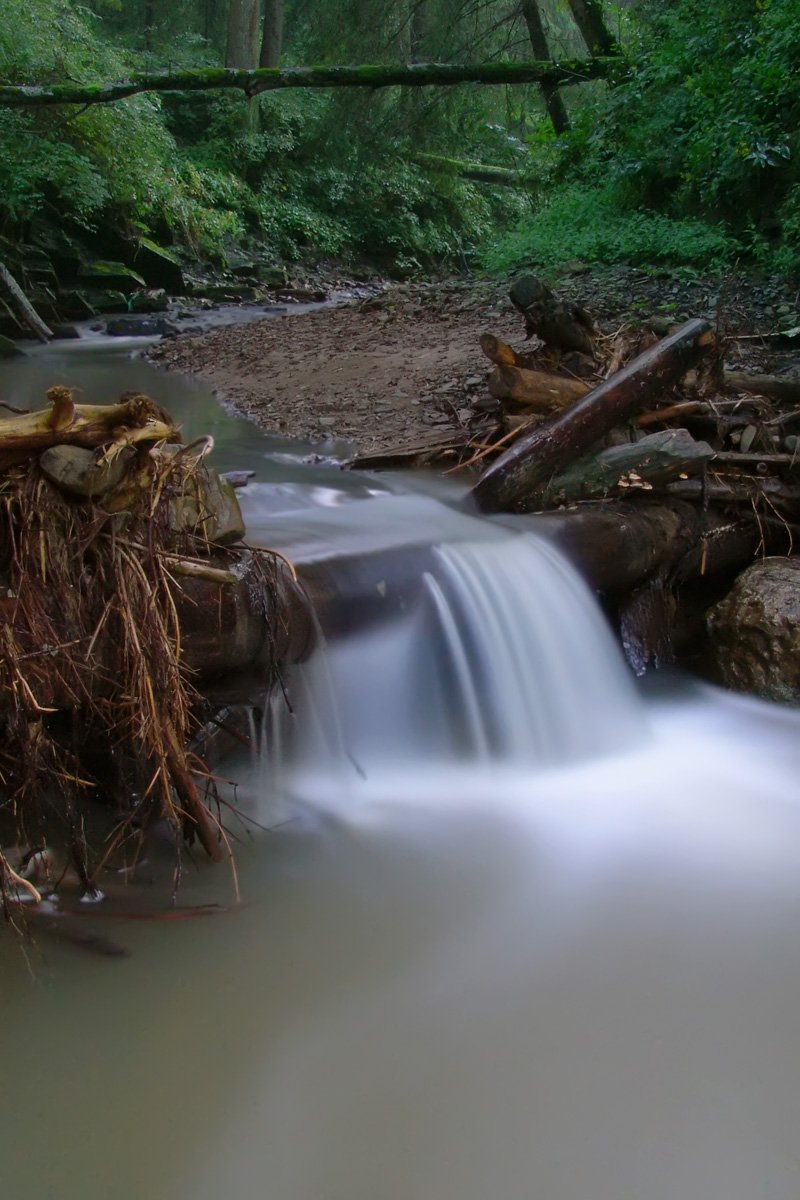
(23, 306)
(268, 79)
(243, 30)
(514, 481)
(550, 94)
(588, 16)
(272, 41)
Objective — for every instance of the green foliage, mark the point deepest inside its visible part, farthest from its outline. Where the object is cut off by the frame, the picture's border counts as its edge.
(577, 223)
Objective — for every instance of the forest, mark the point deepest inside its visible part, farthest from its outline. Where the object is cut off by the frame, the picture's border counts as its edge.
(685, 153)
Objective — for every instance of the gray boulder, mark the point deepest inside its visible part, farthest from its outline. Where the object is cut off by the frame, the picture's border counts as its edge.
(755, 631)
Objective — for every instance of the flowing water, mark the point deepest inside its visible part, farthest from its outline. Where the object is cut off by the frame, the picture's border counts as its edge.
(520, 928)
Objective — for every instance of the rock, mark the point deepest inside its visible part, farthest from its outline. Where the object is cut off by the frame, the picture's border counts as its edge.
(65, 332)
(155, 300)
(272, 277)
(138, 327)
(76, 469)
(755, 631)
(208, 506)
(114, 275)
(160, 267)
(9, 349)
(100, 300)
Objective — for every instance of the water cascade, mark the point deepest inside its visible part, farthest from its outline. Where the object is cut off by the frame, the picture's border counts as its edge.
(522, 928)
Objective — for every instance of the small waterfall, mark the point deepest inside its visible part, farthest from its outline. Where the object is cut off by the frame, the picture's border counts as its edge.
(504, 659)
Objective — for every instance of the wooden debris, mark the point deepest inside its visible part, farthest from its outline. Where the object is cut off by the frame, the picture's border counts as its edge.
(561, 325)
(537, 391)
(516, 478)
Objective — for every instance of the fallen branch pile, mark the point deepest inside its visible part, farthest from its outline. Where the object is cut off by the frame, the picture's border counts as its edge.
(123, 585)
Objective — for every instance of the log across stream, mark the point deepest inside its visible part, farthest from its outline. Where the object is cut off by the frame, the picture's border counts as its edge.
(467, 962)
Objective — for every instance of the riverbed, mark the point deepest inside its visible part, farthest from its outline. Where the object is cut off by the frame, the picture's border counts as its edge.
(467, 962)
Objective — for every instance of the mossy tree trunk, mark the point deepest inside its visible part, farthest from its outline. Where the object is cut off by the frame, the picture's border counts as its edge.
(553, 102)
(267, 79)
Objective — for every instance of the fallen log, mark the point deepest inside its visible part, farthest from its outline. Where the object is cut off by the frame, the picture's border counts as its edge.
(537, 391)
(22, 304)
(777, 387)
(734, 490)
(516, 478)
(559, 324)
(266, 79)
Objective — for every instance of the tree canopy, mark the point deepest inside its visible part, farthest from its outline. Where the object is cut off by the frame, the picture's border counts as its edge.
(687, 153)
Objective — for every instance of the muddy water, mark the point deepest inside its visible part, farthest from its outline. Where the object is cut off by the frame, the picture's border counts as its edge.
(461, 974)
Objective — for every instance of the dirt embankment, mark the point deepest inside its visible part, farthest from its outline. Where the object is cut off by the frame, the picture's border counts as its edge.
(405, 365)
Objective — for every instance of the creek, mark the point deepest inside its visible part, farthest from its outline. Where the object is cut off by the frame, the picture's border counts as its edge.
(519, 928)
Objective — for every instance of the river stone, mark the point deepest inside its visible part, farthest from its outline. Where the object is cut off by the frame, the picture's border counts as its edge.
(75, 469)
(755, 631)
(208, 506)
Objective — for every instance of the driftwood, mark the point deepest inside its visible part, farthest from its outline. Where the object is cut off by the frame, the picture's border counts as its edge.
(561, 325)
(136, 419)
(538, 391)
(515, 480)
(22, 304)
(777, 387)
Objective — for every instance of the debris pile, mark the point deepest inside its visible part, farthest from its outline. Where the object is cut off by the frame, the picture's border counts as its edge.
(124, 587)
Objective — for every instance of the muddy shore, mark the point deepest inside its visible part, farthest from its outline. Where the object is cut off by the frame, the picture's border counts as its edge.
(406, 365)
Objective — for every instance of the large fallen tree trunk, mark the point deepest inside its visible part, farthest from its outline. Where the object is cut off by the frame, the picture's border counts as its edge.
(267, 79)
(515, 480)
(22, 304)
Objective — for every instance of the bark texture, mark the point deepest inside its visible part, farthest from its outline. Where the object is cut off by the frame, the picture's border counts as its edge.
(553, 102)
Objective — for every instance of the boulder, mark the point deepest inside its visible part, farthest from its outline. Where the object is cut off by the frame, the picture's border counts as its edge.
(160, 266)
(138, 327)
(77, 470)
(755, 631)
(115, 275)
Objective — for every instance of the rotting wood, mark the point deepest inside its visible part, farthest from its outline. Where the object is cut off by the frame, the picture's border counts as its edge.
(539, 391)
(777, 387)
(558, 323)
(514, 480)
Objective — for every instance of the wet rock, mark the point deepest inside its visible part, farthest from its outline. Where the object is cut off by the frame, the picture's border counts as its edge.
(208, 506)
(155, 300)
(138, 327)
(65, 332)
(76, 469)
(755, 631)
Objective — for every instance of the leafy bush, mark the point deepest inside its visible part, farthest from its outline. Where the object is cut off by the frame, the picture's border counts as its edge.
(589, 225)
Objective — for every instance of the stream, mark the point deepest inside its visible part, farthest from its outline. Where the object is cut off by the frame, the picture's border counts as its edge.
(518, 927)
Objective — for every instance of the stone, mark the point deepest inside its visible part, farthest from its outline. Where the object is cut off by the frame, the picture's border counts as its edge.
(154, 300)
(754, 631)
(208, 506)
(113, 275)
(65, 332)
(138, 327)
(75, 469)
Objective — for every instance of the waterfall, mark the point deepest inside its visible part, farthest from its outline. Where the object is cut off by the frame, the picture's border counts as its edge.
(504, 659)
